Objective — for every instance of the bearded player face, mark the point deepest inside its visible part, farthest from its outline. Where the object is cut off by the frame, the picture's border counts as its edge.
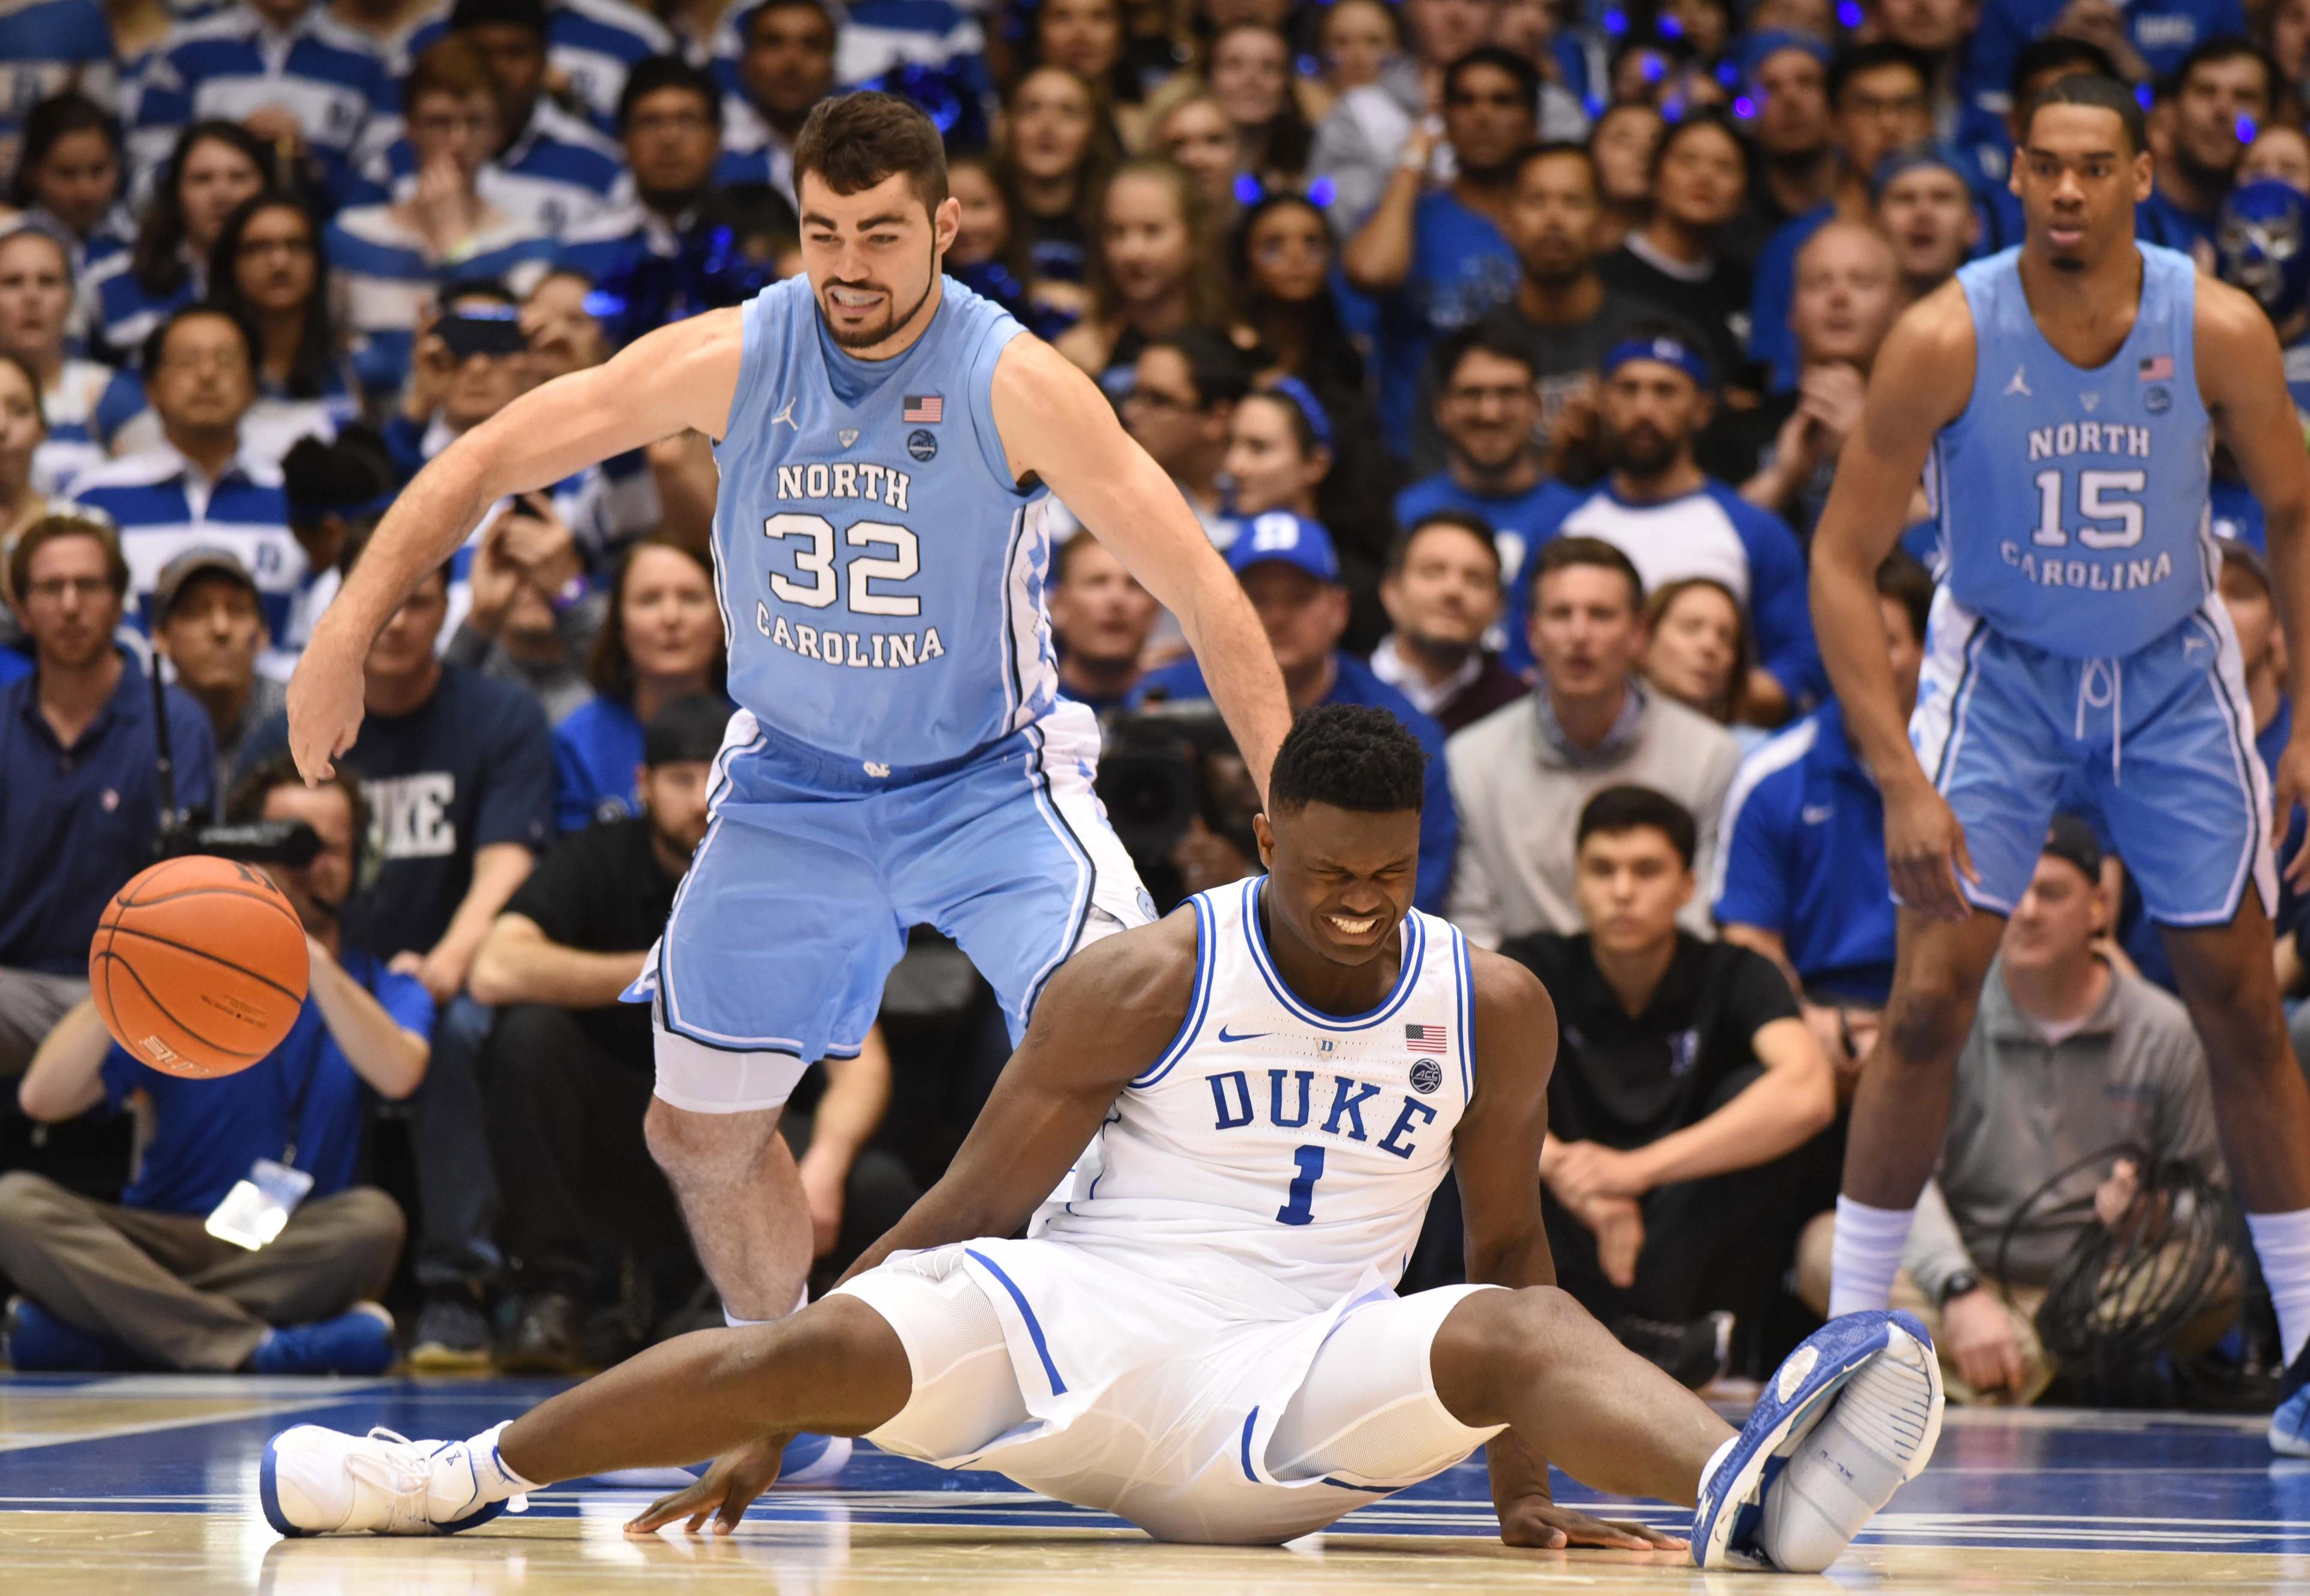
(874, 259)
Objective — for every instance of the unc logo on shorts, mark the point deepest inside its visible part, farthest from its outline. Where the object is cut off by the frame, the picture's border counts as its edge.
(921, 444)
(1427, 1075)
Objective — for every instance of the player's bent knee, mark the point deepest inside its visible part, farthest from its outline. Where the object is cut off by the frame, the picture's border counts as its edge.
(706, 1146)
(1926, 1024)
(1495, 1341)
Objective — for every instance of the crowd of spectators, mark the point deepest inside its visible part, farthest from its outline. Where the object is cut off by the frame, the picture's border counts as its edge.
(1505, 348)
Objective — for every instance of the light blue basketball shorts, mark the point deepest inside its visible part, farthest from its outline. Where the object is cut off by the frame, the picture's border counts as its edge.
(2160, 744)
(797, 903)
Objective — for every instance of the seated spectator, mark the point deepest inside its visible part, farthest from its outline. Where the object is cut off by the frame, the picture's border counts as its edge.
(69, 176)
(1291, 574)
(198, 486)
(208, 623)
(1248, 66)
(1925, 208)
(2222, 90)
(1621, 142)
(990, 255)
(786, 67)
(550, 169)
(1100, 618)
(2068, 1054)
(1683, 1081)
(459, 772)
(80, 805)
(660, 641)
(670, 125)
(1179, 408)
(1439, 259)
(1283, 258)
(1679, 259)
(1286, 453)
(330, 487)
(1193, 132)
(1563, 314)
(592, 46)
(145, 1284)
(1673, 520)
(1093, 38)
(1443, 595)
(532, 618)
(388, 261)
(1785, 75)
(1521, 775)
(268, 272)
(1800, 873)
(125, 297)
(84, 403)
(1057, 152)
(1698, 650)
(290, 72)
(22, 430)
(1154, 274)
(1880, 96)
(1848, 293)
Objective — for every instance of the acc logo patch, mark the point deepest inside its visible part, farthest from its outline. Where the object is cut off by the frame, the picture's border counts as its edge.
(921, 444)
(1427, 1075)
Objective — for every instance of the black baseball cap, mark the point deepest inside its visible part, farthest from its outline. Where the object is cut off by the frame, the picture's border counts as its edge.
(2071, 839)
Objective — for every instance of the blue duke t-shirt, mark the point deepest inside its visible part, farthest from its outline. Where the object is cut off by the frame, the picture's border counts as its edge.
(207, 1133)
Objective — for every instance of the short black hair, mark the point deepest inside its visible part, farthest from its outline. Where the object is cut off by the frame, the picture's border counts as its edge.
(1215, 365)
(1705, 117)
(1562, 553)
(529, 15)
(1500, 60)
(1910, 586)
(1849, 64)
(2099, 93)
(668, 71)
(156, 343)
(2221, 47)
(1560, 150)
(2041, 56)
(1627, 807)
(1466, 521)
(1482, 334)
(1349, 756)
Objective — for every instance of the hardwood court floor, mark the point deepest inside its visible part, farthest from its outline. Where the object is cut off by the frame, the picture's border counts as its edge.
(148, 1482)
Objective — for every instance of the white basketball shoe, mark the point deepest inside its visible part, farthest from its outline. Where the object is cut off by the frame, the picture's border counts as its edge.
(317, 1481)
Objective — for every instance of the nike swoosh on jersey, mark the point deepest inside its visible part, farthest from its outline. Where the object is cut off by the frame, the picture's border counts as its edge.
(1243, 1035)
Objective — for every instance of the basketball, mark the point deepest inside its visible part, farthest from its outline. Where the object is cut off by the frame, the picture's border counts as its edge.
(198, 966)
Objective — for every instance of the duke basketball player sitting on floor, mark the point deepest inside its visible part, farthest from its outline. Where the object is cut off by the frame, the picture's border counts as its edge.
(2068, 393)
(1199, 1332)
(900, 755)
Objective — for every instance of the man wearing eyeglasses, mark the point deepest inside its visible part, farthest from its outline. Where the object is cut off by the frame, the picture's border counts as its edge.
(82, 799)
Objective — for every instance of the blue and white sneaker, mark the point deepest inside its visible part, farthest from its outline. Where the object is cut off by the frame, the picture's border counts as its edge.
(317, 1481)
(2290, 1427)
(1851, 1416)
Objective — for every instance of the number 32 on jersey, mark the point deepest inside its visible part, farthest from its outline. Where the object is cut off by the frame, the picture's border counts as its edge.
(855, 568)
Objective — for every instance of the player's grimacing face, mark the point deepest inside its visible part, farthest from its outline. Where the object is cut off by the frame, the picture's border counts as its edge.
(1342, 879)
(872, 256)
(2078, 179)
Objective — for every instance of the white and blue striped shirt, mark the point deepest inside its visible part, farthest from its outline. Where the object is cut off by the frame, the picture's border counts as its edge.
(163, 505)
(86, 407)
(386, 281)
(592, 44)
(558, 175)
(119, 313)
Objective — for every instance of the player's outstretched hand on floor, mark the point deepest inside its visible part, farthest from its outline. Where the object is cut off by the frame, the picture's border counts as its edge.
(1544, 1524)
(724, 1492)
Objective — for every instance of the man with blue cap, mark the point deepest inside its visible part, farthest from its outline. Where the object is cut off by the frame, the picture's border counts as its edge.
(1290, 572)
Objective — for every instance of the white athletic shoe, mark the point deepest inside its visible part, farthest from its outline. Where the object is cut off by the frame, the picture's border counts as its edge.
(317, 1481)
(1851, 1415)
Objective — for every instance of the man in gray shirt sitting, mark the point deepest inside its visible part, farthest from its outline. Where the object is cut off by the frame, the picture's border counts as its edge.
(2069, 1057)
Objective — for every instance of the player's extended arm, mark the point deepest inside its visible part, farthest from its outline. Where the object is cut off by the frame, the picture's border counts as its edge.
(2242, 378)
(677, 377)
(1496, 1159)
(1921, 382)
(1057, 425)
(1109, 1013)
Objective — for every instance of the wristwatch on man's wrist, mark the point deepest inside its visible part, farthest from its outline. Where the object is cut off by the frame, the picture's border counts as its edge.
(1958, 1285)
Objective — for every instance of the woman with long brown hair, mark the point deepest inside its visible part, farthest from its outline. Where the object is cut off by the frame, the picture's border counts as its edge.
(1057, 147)
(1155, 270)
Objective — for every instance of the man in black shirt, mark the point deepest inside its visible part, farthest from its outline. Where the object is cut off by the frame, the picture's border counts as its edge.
(1684, 1079)
(571, 1067)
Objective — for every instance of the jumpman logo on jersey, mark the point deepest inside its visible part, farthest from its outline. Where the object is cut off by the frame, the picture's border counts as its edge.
(786, 414)
(2020, 384)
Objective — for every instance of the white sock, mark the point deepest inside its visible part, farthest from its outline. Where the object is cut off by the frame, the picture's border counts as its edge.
(734, 1323)
(2282, 1243)
(496, 1480)
(1866, 1255)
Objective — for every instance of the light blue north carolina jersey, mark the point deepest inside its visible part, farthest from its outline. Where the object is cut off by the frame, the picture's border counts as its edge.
(2072, 503)
(880, 574)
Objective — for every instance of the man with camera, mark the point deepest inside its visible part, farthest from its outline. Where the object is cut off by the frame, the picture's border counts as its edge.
(169, 1278)
(80, 799)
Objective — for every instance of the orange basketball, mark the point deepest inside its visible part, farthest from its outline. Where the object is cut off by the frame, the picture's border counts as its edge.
(198, 966)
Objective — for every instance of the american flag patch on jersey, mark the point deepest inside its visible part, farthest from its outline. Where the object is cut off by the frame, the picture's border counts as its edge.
(1424, 1038)
(2157, 368)
(927, 408)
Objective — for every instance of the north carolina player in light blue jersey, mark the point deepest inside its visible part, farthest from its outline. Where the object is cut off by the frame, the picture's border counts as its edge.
(1200, 1330)
(899, 754)
(2062, 400)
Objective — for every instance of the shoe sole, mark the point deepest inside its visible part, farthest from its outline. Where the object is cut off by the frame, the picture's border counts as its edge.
(268, 1498)
(1722, 1516)
(431, 1357)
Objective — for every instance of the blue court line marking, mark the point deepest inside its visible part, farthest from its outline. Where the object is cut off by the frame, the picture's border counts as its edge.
(1034, 1330)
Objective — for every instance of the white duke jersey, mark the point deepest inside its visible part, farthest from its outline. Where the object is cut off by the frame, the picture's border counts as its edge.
(2072, 503)
(1302, 1147)
(880, 573)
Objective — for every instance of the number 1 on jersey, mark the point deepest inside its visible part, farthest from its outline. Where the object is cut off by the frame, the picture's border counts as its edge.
(1299, 1207)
